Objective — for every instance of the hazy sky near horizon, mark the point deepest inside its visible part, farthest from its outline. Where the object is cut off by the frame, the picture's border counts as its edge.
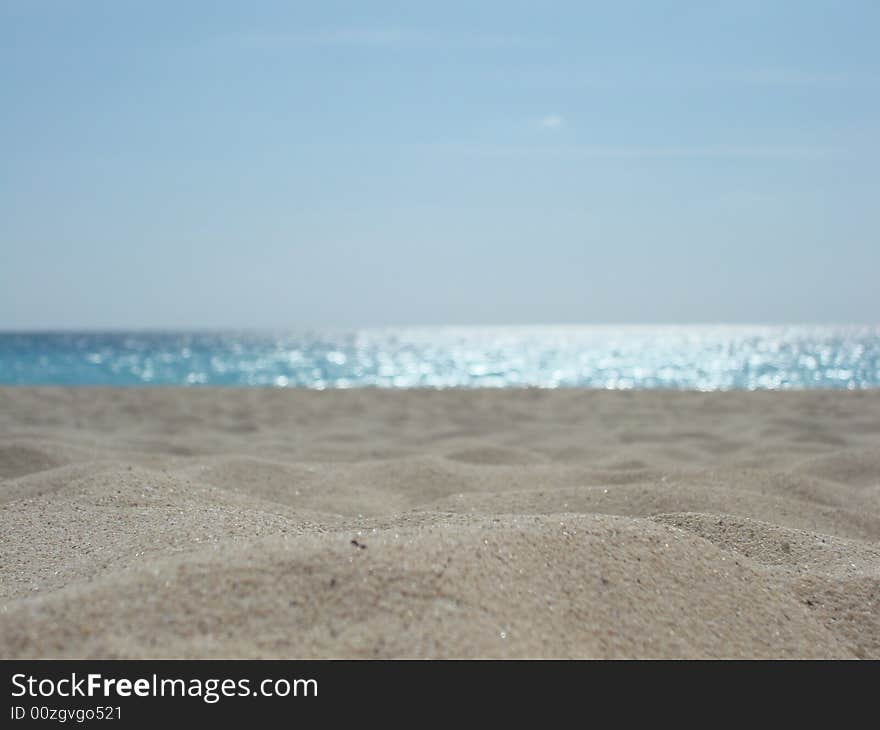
(286, 164)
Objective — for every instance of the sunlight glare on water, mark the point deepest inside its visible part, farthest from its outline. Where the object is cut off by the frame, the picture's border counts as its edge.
(612, 357)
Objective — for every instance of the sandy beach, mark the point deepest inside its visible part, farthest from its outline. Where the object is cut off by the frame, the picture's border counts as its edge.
(171, 522)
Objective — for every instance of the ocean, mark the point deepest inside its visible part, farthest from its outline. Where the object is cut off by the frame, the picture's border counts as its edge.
(611, 357)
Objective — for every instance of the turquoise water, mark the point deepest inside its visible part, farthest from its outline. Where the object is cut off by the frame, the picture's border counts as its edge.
(703, 358)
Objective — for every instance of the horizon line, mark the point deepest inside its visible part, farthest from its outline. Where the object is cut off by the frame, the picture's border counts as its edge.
(196, 329)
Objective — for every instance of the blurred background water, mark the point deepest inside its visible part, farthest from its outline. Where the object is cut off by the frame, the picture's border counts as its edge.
(615, 357)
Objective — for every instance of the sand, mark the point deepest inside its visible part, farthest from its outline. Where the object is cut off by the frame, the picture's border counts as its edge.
(274, 523)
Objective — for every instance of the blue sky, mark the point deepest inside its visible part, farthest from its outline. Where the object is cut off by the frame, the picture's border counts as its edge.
(263, 164)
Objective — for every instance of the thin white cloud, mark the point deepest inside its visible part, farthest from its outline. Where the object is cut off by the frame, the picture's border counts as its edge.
(551, 122)
(580, 152)
(573, 79)
(787, 77)
(388, 37)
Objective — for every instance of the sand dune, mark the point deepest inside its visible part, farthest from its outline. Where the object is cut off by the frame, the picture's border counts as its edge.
(258, 523)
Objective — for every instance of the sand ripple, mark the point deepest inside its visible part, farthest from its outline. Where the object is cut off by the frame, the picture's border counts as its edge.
(165, 522)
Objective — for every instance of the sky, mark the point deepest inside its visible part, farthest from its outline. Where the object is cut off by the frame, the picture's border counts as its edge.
(290, 164)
